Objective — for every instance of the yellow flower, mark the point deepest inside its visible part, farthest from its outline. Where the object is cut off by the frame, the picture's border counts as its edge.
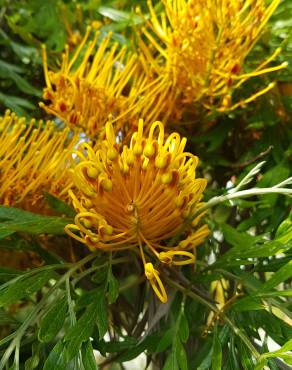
(92, 86)
(34, 158)
(199, 47)
(138, 196)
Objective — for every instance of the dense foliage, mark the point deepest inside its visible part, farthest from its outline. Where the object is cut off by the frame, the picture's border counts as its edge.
(63, 305)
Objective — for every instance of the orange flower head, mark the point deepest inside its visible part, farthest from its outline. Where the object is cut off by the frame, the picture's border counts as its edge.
(93, 85)
(138, 196)
(199, 48)
(34, 158)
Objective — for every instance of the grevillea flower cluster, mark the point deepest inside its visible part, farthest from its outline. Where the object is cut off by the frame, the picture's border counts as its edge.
(137, 197)
(34, 158)
(93, 86)
(197, 49)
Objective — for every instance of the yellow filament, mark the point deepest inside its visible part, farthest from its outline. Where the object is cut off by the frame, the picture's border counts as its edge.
(155, 282)
(139, 209)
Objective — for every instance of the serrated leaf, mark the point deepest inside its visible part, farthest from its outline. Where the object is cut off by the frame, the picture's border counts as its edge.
(53, 321)
(86, 299)
(24, 287)
(100, 275)
(82, 330)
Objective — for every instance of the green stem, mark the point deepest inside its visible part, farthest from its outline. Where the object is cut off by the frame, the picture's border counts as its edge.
(70, 303)
(95, 268)
(240, 194)
(223, 198)
(218, 312)
(33, 315)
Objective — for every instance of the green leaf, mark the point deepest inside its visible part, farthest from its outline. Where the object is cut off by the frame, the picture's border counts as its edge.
(221, 214)
(284, 231)
(7, 273)
(6, 318)
(217, 352)
(235, 238)
(113, 14)
(171, 362)
(88, 359)
(34, 360)
(100, 276)
(183, 328)
(17, 220)
(86, 299)
(16, 104)
(102, 318)
(4, 232)
(16, 244)
(248, 304)
(23, 85)
(113, 287)
(274, 176)
(113, 346)
(119, 15)
(205, 354)
(280, 276)
(24, 287)
(81, 331)
(58, 205)
(245, 356)
(132, 351)
(166, 340)
(181, 355)
(53, 321)
(281, 352)
(56, 359)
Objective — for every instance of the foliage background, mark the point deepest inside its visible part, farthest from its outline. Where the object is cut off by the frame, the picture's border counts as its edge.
(49, 313)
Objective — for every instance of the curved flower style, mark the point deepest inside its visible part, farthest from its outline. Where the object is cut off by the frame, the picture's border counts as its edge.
(199, 48)
(34, 158)
(138, 197)
(84, 94)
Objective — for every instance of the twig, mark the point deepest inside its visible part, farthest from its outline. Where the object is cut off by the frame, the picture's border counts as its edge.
(242, 194)
(252, 160)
